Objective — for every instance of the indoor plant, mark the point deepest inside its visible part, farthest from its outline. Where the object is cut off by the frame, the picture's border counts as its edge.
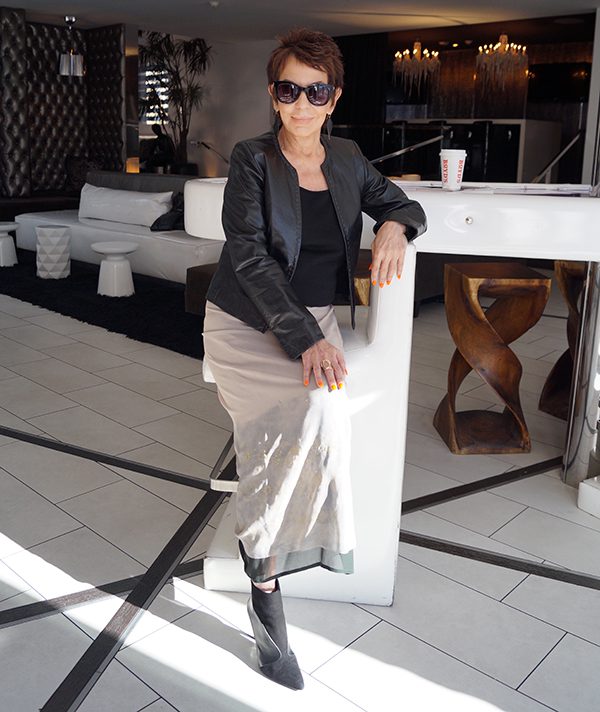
(178, 65)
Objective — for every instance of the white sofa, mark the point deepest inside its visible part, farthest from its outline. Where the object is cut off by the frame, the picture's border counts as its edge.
(166, 255)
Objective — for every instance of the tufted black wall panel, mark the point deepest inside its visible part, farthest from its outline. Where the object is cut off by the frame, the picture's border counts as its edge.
(14, 138)
(57, 105)
(105, 81)
(44, 118)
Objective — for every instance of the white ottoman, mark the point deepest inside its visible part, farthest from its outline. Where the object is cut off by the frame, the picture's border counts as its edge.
(53, 251)
(8, 254)
(115, 278)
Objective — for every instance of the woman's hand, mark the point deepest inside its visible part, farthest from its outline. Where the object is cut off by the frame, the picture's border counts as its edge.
(326, 363)
(388, 250)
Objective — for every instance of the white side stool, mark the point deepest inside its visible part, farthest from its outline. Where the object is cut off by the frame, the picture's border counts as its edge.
(8, 254)
(115, 278)
(53, 251)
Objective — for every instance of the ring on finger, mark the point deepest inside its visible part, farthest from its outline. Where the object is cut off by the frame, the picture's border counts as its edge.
(326, 364)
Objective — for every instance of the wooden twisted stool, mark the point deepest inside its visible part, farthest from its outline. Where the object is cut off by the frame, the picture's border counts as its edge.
(482, 340)
(554, 398)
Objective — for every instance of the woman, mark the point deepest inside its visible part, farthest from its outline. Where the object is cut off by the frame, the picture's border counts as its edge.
(292, 219)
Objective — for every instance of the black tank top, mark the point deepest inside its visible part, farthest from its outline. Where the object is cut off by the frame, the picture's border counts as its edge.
(321, 269)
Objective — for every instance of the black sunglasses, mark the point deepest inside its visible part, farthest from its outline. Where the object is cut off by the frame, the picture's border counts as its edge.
(318, 93)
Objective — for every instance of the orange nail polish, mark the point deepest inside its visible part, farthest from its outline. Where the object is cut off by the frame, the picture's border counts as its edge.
(340, 385)
(374, 282)
(320, 384)
(381, 284)
(306, 383)
(388, 281)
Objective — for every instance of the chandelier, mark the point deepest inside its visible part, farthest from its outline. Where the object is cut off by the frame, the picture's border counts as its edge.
(70, 64)
(501, 62)
(415, 68)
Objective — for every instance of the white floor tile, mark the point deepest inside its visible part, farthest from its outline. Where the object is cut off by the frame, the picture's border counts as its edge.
(83, 427)
(11, 584)
(575, 609)
(429, 396)
(433, 455)
(481, 512)
(159, 706)
(20, 599)
(12, 352)
(131, 518)
(61, 324)
(36, 337)
(167, 361)
(8, 321)
(57, 375)
(27, 399)
(538, 453)
(463, 622)
(192, 665)
(203, 404)
(118, 689)
(6, 373)
(17, 308)
(166, 608)
(121, 404)
(557, 540)
(317, 630)
(54, 475)
(33, 669)
(188, 435)
(198, 380)
(533, 350)
(86, 357)
(72, 562)
(494, 581)
(147, 381)
(387, 669)
(161, 456)
(551, 495)
(110, 341)
(419, 482)
(27, 519)
(568, 680)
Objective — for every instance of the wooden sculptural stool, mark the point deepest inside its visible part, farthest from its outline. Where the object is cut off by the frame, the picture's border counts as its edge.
(482, 339)
(554, 398)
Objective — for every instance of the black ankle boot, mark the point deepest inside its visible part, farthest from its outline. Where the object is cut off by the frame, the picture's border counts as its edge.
(275, 659)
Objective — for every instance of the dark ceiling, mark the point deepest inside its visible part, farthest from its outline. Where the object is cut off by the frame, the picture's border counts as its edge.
(544, 30)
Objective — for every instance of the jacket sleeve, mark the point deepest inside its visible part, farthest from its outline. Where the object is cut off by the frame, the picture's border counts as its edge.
(260, 276)
(383, 200)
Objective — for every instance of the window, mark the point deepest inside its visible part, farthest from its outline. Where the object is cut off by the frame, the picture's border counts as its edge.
(150, 81)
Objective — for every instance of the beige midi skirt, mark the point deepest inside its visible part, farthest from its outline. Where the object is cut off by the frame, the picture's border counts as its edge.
(292, 446)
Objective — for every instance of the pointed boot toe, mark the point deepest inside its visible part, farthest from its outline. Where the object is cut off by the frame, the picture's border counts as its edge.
(278, 665)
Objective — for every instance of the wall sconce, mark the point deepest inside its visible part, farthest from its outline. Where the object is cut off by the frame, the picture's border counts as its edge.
(416, 67)
(70, 64)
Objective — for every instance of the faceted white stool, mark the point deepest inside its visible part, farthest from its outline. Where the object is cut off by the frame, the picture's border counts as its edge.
(53, 251)
(8, 254)
(115, 278)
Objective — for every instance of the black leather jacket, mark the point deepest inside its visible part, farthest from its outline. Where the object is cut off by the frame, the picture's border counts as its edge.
(263, 226)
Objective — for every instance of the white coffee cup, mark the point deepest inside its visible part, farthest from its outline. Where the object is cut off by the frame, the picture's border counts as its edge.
(452, 163)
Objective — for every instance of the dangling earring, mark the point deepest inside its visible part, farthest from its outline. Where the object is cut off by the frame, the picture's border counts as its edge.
(328, 126)
(277, 123)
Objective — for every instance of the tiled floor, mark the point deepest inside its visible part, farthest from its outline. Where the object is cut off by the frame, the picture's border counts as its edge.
(461, 635)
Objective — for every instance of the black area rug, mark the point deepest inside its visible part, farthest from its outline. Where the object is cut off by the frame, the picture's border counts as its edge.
(155, 314)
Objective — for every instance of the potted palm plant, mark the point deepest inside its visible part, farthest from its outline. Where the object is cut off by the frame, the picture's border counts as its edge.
(176, 65)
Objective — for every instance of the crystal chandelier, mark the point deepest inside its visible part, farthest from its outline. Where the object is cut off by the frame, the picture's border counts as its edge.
(501, 62)
(415, 68)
